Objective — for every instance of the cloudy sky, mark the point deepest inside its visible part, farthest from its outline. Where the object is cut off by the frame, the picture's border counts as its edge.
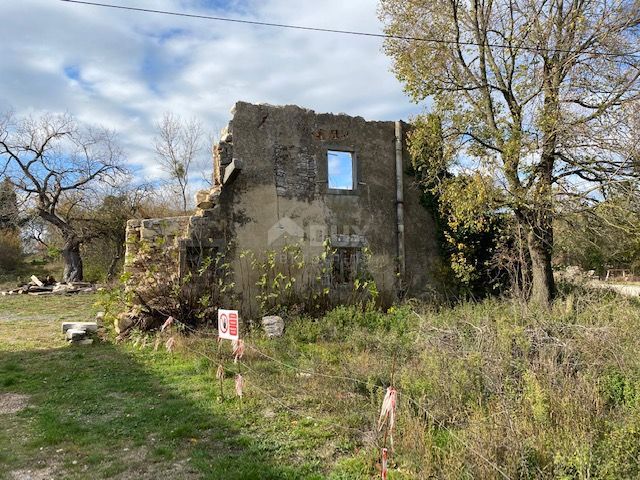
(124, 69)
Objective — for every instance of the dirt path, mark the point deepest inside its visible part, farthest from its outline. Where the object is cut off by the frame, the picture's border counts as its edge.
(621, 288)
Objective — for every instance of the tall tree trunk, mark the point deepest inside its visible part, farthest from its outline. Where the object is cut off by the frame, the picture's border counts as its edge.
(540, 231)
(71, 250)
(183, 187)
(72, 260)
(540, 243)
(115, 260)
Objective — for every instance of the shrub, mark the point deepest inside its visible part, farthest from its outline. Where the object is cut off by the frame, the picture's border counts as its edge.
(10, 251)
(494, 385)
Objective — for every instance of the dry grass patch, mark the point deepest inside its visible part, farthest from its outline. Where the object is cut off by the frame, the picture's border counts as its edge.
(12, 402)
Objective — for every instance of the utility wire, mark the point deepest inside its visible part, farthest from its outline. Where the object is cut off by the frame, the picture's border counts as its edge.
(346, 32)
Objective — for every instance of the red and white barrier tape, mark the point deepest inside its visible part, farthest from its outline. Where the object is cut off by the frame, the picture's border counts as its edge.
(239, 385)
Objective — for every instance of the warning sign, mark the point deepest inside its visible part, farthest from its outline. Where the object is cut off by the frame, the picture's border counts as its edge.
(228, 324)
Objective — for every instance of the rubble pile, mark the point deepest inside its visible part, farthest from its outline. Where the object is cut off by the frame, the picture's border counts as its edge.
(79, 332)
(49, 286)
(82, 333)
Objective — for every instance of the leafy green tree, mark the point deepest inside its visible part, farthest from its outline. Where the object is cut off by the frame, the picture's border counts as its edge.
(109, 220)
(536, 95)
(10, 243)
(603, 236)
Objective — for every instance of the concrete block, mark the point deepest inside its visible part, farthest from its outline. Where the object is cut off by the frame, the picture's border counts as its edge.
(232, 170)
(75, 334)
(84, 326)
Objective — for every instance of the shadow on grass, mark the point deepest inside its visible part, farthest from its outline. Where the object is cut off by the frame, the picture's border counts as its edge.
(99, 411)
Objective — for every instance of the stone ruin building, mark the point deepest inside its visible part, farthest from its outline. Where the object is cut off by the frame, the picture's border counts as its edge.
(283, 175)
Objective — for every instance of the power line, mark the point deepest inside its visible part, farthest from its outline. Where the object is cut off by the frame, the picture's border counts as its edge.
(342, 32)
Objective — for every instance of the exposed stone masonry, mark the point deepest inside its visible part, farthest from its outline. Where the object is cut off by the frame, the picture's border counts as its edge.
(270, 188)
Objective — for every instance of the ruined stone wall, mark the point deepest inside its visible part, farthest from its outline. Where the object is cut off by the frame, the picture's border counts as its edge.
(282, 190)
(146, 238)
(271, 188)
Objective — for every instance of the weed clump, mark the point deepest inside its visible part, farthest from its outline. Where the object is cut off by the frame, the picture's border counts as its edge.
(495, 389)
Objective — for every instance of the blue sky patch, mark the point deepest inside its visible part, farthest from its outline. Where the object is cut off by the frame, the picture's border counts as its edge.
(72, 72)
(340, 168)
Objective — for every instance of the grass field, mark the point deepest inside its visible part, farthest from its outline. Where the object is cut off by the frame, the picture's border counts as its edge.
(118, 411)
(486, 390)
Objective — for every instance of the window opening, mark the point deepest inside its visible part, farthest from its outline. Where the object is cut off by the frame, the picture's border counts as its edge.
(346, 264)
(340, 170)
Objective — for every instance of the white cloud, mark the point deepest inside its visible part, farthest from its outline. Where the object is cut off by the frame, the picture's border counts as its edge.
(124, 69)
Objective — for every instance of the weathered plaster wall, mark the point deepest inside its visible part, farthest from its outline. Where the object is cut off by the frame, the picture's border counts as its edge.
(284, 177)
(275, 163)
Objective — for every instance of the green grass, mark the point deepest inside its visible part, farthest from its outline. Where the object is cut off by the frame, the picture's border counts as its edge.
(108, 410)
(484, 388)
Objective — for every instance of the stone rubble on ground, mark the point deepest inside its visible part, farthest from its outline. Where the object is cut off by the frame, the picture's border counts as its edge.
(49, 286)
(273, 326)
(79, 333)
(75, 334)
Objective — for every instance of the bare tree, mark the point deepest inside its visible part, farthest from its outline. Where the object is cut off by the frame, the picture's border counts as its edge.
(177, 146)
(58, 164)
(535, 92)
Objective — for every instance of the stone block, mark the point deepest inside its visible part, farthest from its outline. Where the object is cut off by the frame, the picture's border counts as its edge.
(84, 326)
(123, 322)
(273, 326)
(75, 334)
(232, 171)
(202, 198)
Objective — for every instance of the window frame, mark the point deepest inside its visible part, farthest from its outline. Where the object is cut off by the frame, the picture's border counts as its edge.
(354, 170)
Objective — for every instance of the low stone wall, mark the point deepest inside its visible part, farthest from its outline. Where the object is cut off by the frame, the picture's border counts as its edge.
(152, 238)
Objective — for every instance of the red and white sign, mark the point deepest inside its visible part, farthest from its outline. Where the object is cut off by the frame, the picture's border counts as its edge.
(228, 324)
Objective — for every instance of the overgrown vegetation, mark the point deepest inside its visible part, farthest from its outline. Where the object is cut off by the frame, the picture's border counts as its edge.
(191, 292)
(486, 390)
(472, 232)
(276, 282)
(285, 282)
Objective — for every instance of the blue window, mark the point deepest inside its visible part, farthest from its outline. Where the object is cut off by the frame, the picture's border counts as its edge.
(340, 170)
